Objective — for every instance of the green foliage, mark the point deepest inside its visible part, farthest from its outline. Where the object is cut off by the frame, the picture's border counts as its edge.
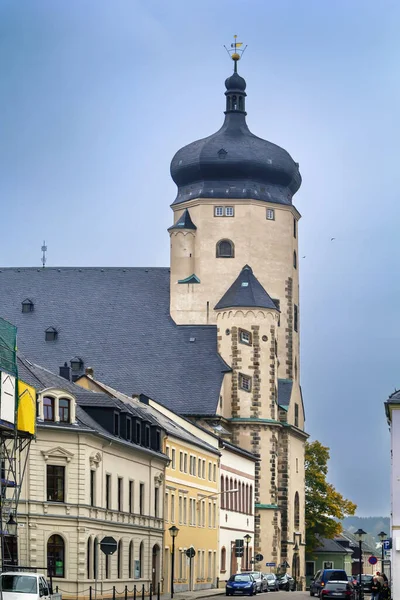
(325, 507)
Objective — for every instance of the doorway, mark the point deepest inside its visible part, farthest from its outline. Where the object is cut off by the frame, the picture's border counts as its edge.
(155, 566)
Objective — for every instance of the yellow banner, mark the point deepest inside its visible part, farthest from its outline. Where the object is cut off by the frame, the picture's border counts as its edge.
(26, 412)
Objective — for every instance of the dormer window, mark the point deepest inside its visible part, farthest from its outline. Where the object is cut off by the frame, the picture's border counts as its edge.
(76, 364)
(138, 433)
(64, 410)
(147, 436)
(48, 408)
(128, 429)
(116, 423)
(27, 306)
(51, 334)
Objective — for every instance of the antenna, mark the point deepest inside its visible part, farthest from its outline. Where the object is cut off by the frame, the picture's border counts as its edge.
(44, 258)
(236, 52)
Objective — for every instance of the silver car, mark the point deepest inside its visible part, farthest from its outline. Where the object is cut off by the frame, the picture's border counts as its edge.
(273, 583)
(261, 581)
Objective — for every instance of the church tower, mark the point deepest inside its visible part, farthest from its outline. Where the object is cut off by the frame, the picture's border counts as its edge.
(234, 264)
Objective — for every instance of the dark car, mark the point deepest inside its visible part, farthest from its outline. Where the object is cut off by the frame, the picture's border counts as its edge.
(286, 582)
(323, 576)
(366, 582)
(338, 589)
(272, 582)
(241, 583)
(259, 578)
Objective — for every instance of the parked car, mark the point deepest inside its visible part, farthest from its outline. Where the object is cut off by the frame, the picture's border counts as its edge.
(22, 585)
(259, 578)
(286, 582)
(241, 583)
(366, 582)
(341, 590)
(323, 576)
(272, 581)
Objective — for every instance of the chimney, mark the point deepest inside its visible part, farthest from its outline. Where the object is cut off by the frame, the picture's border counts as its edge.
(64, 372)
(89, 371)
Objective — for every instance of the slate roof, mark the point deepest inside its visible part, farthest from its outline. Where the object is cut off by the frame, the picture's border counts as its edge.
(330, 546)
(246, 291)
(184, 222)
(285, 387)
(117, 320)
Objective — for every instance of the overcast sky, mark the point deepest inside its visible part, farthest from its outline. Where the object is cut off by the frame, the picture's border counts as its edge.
(97, 95)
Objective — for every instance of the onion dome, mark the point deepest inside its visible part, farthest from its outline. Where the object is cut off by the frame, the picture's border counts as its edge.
(233, 162)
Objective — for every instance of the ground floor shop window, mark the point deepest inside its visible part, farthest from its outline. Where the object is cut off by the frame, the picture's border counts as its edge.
(56, 556)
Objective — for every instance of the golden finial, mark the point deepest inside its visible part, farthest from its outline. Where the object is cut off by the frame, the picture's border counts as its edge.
(236, 52)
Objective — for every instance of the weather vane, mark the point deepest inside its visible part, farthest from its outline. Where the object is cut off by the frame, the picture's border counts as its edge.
(236, 52)
(44, 250)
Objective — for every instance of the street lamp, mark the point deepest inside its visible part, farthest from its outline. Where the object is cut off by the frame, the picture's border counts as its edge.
(174, 532)
(247, 540)
(360, 535)
(382, 536)
(12, 525)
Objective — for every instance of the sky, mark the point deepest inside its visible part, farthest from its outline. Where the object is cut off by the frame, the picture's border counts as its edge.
(96, 96)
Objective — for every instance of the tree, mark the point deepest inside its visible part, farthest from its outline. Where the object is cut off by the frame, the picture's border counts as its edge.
(325, 507)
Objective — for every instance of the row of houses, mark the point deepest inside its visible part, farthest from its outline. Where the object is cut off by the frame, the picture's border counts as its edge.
(105, 464)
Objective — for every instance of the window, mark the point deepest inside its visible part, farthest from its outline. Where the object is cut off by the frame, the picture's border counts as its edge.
(157, 445)
(51, 334)
(218, 211)
(310, 568)
(131, 497)
(225, 249)
(172, 508)
(185, 463)
(245, 337)
(297, 465)
(156, 500)
(27, 306)
(48, 408)
(185, 510)
(128, 428)
(245, 382)
(107, 563)
(296, 318)
(92, 487)
(328, 564)
(192, 517)
(192, 465)
(147, 436)
(223, 559)
(180, 510)
(181, 461)
(55, 483)
(138, 436)
(108, 491)
(63, 410)
(120, 493)
(55, 556)
(173, 453)
(116, 423)
(214, 472)
(294, 228)
(141, 499)
(130, 561)
(229, 211)
(295, 259)
(297, 512)
(214, 515)
(119, 560)
(199, 467)
(222, 491)
(209, 514)
(209, 471)
(141, 561)
(166, 506)
(270, 214)
(296, 415)
(203, 469)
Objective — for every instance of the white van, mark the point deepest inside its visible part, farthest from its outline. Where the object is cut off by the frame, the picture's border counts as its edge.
(23, 585)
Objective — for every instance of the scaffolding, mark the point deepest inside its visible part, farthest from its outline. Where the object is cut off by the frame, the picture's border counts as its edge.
(14, 443)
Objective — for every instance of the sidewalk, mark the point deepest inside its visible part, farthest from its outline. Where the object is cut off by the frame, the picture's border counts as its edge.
(195, 594)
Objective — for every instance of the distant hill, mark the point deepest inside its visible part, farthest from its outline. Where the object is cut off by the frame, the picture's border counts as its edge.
(372, 525)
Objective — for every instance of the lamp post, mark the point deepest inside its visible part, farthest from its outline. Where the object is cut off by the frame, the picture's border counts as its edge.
(174, 532)
(360, 535)
(247, 540)
(382, 536)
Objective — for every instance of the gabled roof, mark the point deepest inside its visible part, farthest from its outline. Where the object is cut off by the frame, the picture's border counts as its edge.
(184, 222)
(247, 292)
(117, 320)
(285, 387)
(330, 546)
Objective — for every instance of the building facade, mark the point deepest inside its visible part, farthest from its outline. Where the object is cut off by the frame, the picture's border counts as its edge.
(84, 482)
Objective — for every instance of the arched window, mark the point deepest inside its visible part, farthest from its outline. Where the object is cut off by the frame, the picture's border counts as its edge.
(235, 501)
(119, 560)
(64, 410)
(141, 559)
(223, 559)
(56, 556)
(295, 259)
(251, 500)
(239, 497)
(96, 559)
(225, 249)
(89, 558)
(48, 408)
(247, 499)
(231, 495)
(296, 511)
(130, 561)
(227, 495)
(222, 492)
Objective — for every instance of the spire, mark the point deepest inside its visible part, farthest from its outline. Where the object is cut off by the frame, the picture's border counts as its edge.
(247, 292)
(235, 84)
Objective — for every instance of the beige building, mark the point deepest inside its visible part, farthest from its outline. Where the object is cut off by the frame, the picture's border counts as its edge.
(96, 470)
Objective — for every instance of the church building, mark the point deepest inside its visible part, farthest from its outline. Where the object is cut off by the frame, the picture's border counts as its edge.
(214, 337)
